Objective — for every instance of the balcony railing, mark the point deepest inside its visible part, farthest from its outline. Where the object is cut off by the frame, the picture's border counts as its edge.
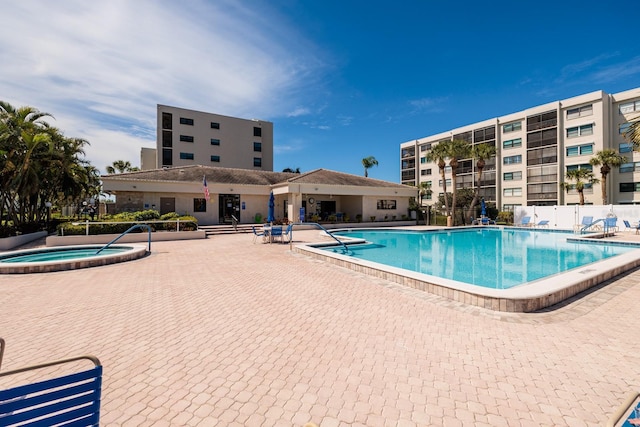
(542, 125)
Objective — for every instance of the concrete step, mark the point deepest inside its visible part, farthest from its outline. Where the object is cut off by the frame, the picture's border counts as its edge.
(212, 230)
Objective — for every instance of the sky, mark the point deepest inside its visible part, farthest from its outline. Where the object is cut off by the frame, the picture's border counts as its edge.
(340, 80)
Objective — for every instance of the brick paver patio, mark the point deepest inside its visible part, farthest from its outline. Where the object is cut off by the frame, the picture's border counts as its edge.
(226, 332)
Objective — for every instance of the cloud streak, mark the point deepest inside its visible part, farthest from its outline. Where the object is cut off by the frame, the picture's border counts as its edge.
(101, 67)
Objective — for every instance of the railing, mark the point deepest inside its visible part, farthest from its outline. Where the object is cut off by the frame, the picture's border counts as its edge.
(605, 228)
(234, 222)
(344, 245)
(89, 223)
(123, 234)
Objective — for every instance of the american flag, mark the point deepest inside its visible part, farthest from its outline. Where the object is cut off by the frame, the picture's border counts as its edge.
(206, 189)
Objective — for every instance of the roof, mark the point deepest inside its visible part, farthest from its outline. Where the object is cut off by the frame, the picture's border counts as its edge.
(250, 177)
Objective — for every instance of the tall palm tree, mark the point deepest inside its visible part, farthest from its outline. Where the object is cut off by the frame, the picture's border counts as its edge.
(482, 153)
(606, 159)
(633, 133)
(457, 149)
(438, 155)
(582, 177)
(368, 162)
(121, 166)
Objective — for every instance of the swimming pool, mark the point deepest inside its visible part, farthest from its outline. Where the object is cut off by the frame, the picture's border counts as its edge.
(489, 257)
(44, 260)
(591, 263)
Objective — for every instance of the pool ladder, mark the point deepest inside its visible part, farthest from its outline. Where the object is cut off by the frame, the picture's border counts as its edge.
(133, 227)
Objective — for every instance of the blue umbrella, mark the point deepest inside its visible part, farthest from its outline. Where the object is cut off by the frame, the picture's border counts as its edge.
(272, 205)
(483, 208)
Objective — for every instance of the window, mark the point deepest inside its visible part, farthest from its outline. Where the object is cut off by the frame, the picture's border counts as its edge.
(386, 204)
(423, 172)
(408, 152)
(623, 128)
(512, 160)
(629, 107)
(512, 127)
(257, 131)
(215, 141)
(215, 159)
(428, 171)
(541, 156)
(199, 205)
(167, 157)
(629, 167)
(544, 173)
(425, 147)
(186, 138)
(626, 147)
(167, 121)
(186, 156)
(629, 187)
(512, 176)
(484, 134)
(542, 138)
(580, 131)
(512, 143)
(423, 160)
(512, 192)
(257, 162)
(448, 183)
(167, 138)
(510, 207)
(257, 146)
(186, 121)
(580, 150)
(585, 110)
(215, 125)
(582, 166)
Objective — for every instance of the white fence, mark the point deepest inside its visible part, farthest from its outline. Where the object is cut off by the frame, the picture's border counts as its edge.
(565, 217)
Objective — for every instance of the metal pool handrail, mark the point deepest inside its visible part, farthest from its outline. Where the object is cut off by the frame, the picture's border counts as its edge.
(344, 245)
(133, 227)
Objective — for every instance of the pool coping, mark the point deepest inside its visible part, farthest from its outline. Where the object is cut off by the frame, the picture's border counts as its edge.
(528, 297)
(137, 251)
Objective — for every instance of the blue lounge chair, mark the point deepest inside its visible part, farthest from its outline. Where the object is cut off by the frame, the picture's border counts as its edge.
(587, 222)
(525, 222)
(611, 224)
(276, 231)
(544, 223)
(257, 233)
(72, 399)
(628, 226)
(288, 234)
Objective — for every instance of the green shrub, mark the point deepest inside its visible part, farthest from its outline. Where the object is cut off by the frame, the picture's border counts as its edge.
(187, 223)
(505, 216)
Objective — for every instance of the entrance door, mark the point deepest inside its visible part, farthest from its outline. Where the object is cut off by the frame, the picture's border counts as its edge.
(229, 205)
(167, 204)
(326, 208)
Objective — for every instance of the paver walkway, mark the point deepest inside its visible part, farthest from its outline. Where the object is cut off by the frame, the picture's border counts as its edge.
(226, 332)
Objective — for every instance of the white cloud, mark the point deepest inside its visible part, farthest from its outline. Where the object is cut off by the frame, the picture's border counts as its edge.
(299, 111)
(101, 67)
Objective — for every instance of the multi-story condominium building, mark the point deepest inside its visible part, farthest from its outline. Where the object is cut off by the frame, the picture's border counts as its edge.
(535, 149)
(188, 137)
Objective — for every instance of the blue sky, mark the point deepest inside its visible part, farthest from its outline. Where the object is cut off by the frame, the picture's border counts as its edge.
(340, 80)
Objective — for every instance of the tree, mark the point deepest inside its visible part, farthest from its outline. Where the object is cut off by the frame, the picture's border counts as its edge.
(456, 149)
(438, 155)
(582, 177)
(606, 159)
(481, 153)
(121, 166)
(368, 162)
(632, 134)
(290, 170)
(424, 189)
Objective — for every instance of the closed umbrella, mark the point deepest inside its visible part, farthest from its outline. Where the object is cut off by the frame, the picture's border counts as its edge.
(272, 205)
(483, 208)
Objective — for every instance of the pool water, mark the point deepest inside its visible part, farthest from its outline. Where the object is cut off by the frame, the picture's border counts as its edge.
(60, 254)
(489, 257)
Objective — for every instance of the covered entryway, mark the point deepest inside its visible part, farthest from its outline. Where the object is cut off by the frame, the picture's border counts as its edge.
(229, 205)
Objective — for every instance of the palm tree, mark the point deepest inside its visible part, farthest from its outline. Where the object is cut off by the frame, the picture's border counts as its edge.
(633, 133)
(482, 153)
(121, 166)
(606, 159)
(582, 177)
(368, 162)
(457, 149)
(438, 155)
(424, 189)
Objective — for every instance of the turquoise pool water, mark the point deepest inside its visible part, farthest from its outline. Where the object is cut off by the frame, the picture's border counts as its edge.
(60, 254)
(488, 257)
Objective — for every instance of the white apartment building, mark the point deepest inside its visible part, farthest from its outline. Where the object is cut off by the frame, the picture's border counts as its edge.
(535, 148)
(188, 137)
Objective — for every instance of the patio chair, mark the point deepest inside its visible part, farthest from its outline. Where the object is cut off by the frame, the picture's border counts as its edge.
(72, 399)
(611, 224)
(543, 224)
(257, 234)
(587, 223)
(525, 222)
(276, 231)
(628, 226)
(288, 234)
(486, 221)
